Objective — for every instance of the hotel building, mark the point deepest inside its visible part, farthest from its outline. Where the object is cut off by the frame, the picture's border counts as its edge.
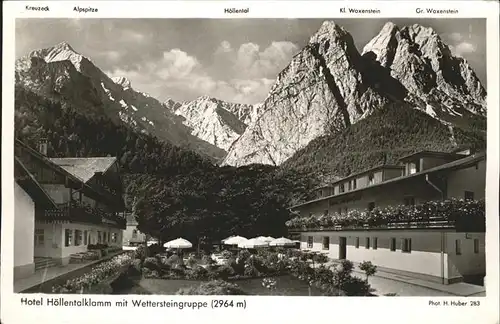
(62, 206)
(438, 250)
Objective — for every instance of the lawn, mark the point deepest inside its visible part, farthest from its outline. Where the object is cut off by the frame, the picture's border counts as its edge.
(286, 286)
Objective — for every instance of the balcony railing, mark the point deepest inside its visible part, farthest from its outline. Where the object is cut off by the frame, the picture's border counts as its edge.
(462, 215)
(75, 212)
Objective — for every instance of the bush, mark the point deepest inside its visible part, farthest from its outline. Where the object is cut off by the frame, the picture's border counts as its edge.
(141, 252)
(191, 261)
(320, 258)
(207, 259)
(197, 273)
(251, 270)
(355, 286)
(243, 255)
(237, 265)
(99, 273)
(152, 264)
(224, 272)
(137, 264)
(216, 287)
(368, 268)
(175, 261)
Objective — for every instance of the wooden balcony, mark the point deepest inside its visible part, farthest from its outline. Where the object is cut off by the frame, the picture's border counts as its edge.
(80, 214)
(461, 225)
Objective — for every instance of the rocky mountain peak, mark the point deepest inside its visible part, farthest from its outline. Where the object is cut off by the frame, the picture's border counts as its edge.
(328, 86)
(384, 44)
(329, 30)
(64, 46)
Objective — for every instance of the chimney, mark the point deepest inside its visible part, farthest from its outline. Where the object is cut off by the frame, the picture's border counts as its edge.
(42, 146)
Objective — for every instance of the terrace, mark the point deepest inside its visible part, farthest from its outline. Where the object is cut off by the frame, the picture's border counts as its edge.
(454, 214)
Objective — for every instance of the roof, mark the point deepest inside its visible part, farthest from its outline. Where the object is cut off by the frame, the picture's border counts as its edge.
(27, 181)
(432, 154)
(48, 162)
(458, 164)
(131, 219)
(353, 175)
(84, 168)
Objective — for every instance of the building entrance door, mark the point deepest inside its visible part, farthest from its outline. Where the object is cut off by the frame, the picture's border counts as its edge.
(342, 247)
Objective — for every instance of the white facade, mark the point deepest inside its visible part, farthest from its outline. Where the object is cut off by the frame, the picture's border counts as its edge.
(132, 234)
(55, 244)
(470, 179)
(431, 254)
(24, 226)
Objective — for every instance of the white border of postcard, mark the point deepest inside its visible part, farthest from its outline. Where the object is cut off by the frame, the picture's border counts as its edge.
(259, 309)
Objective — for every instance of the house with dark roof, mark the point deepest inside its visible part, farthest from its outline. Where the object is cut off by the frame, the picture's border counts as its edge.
(375, 215)
(63, 206)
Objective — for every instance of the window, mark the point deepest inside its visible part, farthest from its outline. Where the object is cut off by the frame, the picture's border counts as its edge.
(458, 247)
(371, 178)
(134, 233)
(78, 237)
(371, 206)
(326, 242)
(367, 243)
(354, 184)
(406, 245)
(99, 237)
(393, 244)
(114, 237)
(375, 243)
(409, 201)
(342, 188)
(39, 237)
(468, 195)
(85, 238)
(356, 242)
(414, 167)
(349, 185)
(476, 246)
(68, 237)
(309, 242)
(104, 237)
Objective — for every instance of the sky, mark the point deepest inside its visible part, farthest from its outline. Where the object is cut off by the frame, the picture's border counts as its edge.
(236, 60)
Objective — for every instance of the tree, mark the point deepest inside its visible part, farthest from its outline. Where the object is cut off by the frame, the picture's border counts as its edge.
(368, 268)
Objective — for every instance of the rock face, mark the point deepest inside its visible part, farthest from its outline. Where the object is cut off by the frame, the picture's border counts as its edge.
(329, 85)
(214, 121)
(60, 72)
(442, 84)
(321, 90)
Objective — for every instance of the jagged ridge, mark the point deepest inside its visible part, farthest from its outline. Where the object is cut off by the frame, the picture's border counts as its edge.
(329, 86)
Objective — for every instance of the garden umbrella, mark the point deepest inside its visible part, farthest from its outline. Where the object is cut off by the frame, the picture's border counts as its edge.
(227, 238)
(282, 241)
(265, 238)
(235, 240)
(253, 243)
(179, 243)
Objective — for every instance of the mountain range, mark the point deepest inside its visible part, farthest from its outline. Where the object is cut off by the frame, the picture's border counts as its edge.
(326, 89)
